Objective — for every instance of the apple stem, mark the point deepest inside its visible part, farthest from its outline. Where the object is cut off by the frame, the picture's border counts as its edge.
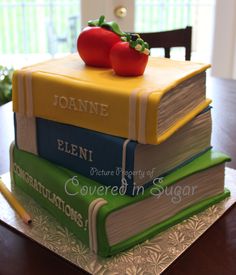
(137, 43)
(101, 20)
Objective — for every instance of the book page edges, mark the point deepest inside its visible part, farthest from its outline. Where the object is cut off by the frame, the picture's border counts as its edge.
(156, 229)
(178, 124)
(209, 159)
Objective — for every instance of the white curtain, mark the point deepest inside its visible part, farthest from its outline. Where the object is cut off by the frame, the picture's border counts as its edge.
(224, 41)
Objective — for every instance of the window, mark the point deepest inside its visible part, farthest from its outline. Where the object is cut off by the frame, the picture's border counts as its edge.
(161, 15)
(36, 29)
(33, 30)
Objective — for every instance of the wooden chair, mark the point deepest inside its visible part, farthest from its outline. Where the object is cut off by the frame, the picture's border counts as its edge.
(170, 39)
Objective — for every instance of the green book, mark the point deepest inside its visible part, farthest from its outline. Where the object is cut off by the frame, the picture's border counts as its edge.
(107, 220)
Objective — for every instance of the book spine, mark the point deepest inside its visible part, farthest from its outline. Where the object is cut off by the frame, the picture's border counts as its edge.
(98, 156)
(70, 101)
(52, 189)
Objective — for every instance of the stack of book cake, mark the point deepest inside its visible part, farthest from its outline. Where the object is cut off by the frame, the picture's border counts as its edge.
(115, 159)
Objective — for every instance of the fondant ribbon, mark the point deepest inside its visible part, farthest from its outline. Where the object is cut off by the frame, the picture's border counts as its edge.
(123, 168)
(21, 94)
(11, 161)
(92, 222)
(25, 91)
(133, 134)
(26, 133)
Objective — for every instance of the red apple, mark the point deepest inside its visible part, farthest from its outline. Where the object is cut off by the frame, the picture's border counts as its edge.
(127, 61)
(94, 45)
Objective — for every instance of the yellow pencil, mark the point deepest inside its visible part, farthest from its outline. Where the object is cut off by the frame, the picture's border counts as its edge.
(14, 203)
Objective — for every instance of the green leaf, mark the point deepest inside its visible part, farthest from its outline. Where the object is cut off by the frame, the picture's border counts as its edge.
(93, 23)
(114, 27)
(5, 84)
(133, 44)
(97, 22)
(101, 22)
(146, 45)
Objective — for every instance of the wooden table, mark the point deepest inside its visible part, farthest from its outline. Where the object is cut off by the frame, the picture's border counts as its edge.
(214, 253)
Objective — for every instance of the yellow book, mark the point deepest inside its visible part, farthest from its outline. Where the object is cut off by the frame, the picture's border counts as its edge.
(148, 108)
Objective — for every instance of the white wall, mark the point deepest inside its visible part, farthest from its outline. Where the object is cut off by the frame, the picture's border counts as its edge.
(91, 9)
(224, 41)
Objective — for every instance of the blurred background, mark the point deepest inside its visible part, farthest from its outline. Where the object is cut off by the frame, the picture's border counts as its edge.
(32, 30)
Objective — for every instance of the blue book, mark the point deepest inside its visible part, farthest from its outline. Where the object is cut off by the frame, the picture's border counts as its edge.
(111, 160)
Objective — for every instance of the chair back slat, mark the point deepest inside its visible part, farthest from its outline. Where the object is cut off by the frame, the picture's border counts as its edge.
(170, 39)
